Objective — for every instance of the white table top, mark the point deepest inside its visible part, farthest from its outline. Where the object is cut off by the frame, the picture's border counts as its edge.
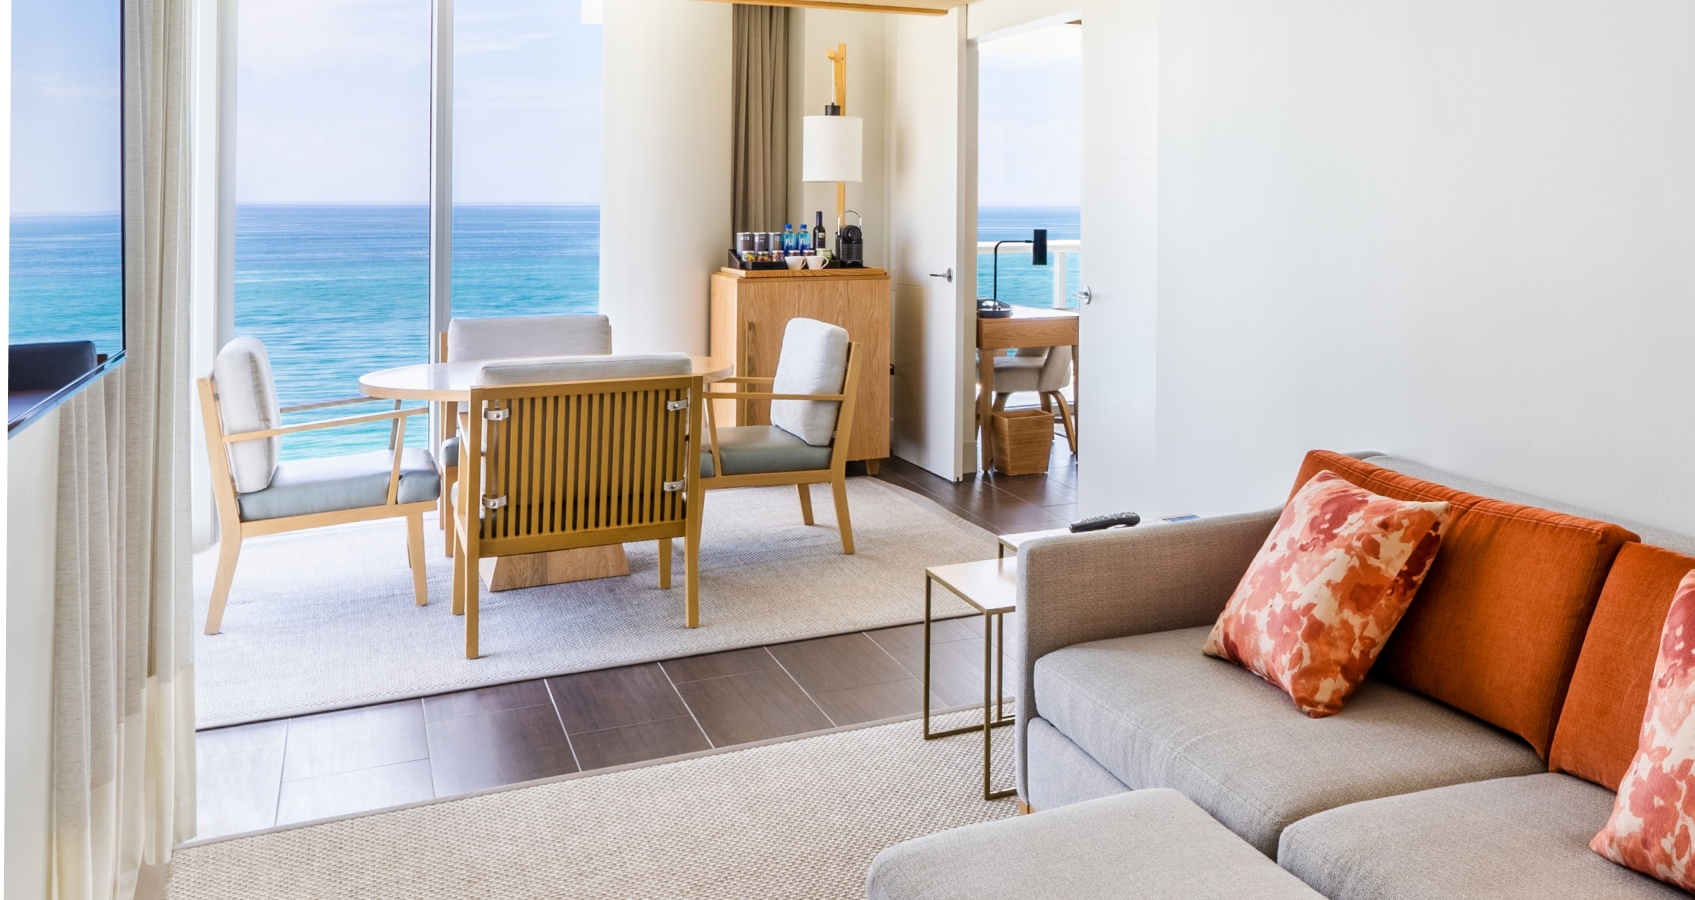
(446, 382)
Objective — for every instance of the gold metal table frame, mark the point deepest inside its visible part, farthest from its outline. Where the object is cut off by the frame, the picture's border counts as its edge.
(990, 587)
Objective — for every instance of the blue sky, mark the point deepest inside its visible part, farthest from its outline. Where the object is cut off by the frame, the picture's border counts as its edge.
(1029, 125)
(66, 140)
(334, 101)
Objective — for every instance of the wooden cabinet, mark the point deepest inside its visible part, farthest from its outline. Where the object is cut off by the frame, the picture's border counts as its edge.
(751, 309)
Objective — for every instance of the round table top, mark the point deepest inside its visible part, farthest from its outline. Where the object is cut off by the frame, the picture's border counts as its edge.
(453, 380)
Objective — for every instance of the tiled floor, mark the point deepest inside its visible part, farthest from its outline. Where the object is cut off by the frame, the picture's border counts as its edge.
(280, 772)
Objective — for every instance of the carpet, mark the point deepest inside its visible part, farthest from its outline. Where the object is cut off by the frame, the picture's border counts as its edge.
(797, 819)
(325, 619)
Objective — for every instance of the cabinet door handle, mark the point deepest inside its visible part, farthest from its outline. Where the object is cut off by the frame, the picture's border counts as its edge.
(947, 276)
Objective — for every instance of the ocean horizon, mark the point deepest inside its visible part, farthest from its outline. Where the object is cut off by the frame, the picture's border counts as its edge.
(338, 290)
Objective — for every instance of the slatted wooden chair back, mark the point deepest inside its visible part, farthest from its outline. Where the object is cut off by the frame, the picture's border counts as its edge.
(583, 463)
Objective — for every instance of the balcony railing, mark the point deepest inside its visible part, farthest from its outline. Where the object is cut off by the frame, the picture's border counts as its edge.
(1058, 254)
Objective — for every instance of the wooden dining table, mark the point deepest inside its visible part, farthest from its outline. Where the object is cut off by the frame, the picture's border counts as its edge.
(451, 383)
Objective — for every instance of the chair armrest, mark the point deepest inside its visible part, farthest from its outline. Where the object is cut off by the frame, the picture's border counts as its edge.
(327, 423)
(325, 404)
(744, 379)
(1117, 583)
(751, 395)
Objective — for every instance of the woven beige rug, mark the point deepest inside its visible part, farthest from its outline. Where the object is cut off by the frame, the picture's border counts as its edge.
(796, 819)
(325, 619)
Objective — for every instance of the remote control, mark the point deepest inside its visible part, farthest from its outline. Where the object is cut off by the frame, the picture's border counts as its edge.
(1096, 523)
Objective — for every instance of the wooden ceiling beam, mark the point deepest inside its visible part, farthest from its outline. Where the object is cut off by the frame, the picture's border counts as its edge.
(906, 7)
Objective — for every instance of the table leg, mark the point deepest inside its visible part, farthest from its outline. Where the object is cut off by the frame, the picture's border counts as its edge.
(986, 389)
(990, 720)
(926, 687)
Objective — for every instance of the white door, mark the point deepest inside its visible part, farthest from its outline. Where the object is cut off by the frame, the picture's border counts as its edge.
(931, 340)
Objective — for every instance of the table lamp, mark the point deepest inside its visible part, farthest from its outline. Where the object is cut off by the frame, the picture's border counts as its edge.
(832, 145)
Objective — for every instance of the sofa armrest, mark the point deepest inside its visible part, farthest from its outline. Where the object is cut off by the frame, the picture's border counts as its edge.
(1091, 587)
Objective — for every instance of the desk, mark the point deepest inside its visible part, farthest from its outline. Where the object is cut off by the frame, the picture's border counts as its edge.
(1027, 327)
(451, 383)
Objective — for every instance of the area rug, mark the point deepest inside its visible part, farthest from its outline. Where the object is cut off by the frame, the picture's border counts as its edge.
(797, 819)
(325, 619)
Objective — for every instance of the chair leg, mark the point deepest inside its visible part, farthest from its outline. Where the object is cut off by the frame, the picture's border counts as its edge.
(664, 564)
(1000, 402)
(448, 480)
(1047, 404)
(415, 556)
(458, 579)
(1070, 422)
(838, 486)
(228, 550)
(691, 565)
(471, 586)
(805, 503)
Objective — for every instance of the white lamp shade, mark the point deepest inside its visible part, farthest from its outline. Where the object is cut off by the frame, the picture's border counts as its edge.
(832, 147)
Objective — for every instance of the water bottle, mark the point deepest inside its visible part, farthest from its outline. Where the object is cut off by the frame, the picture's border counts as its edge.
(803, 240)
(788, 237)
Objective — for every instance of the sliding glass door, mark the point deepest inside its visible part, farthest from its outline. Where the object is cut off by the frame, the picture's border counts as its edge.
(332, 215)
(526, 158)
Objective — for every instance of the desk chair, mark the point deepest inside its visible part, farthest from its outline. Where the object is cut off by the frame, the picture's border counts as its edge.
(1039, 370)
(508, 337)
(578, 452)
(811, 422)
(256, 494)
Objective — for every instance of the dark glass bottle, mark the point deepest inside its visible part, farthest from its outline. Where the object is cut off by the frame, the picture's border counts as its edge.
(818, 235)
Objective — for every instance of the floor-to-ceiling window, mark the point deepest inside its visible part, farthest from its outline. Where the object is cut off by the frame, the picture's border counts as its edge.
(332, 215)
(526, 158)
(1029, 164)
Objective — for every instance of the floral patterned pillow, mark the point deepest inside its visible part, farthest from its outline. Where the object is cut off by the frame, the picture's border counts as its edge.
(1652, 829)
(1330, 584)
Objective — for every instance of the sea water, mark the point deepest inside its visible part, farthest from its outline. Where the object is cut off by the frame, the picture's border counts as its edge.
(336, 291)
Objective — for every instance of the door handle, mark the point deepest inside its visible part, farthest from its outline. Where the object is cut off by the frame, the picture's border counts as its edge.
(947, 276)
(1085, 295)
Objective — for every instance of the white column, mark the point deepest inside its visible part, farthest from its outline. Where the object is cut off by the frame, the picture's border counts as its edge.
(665, 169)
(1059, 268)
(441, 171)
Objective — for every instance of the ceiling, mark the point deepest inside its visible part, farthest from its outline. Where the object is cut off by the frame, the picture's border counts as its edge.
(917, 7)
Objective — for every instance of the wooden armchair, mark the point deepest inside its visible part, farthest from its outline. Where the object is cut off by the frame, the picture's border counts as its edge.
(578, 452)
(256, 494)
(808, 444)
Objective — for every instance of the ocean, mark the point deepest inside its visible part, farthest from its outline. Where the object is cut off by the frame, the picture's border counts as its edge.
(336, 291)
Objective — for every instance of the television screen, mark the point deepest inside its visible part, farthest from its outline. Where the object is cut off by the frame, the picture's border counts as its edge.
(66, 270)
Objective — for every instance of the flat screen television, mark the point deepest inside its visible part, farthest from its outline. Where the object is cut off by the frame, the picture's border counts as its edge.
(66, 271)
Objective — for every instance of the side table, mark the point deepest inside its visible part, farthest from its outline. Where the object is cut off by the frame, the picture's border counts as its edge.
(990, 587)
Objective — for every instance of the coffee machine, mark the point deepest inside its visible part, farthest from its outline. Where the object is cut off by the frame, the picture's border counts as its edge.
(850, 245)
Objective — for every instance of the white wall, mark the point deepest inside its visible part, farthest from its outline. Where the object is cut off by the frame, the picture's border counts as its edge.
(1459, 231)
(812, 32)
(665, 171)
(32, 483)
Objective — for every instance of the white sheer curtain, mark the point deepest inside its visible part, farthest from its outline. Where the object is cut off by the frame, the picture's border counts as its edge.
(123, 691)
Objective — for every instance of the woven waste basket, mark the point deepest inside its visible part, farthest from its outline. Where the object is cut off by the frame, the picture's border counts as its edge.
(1023, 440)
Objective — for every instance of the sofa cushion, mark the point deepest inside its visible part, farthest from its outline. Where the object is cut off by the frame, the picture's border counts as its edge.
(1507, 839)
(1060, 773)
(1325, 592)
(1501, 617)
(759, 449)
(1147, 845)
(333, 483)
(247, 401)
(1652, 821)
(1598, 730)
(1155, 713)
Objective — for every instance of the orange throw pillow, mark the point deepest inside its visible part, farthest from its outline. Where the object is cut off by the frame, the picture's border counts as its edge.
(1333, 579)
(1598, 730)
(1652, 829)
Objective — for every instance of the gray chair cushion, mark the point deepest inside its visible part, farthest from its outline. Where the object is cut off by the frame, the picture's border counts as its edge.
(505, 337)
(813, 361)
(449, 455)
(555, 369)
(1060, 773)
(1156, 713)
(1041, 369)
(1146, 845)
(247, 401)
(1509, 839)
(302, 487)
(760, 449)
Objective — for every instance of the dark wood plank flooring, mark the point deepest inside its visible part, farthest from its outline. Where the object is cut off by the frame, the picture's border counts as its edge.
(309, 767)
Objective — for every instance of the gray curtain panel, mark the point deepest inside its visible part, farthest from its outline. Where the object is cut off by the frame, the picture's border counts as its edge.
(760, 80)
(123, 679)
